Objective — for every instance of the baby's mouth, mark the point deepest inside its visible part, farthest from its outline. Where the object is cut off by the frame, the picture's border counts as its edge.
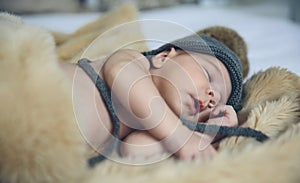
(198, 105)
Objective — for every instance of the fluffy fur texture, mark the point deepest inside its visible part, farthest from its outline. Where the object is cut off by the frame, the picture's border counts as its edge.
(39, 139)
(40, 142)
(70, 47)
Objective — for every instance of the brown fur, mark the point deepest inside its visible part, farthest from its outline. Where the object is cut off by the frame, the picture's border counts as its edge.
(270, 85)
(271, 104)
(40, 142)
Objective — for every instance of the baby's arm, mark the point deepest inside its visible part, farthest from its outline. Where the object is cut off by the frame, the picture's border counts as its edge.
(142, 144)
(127, 74)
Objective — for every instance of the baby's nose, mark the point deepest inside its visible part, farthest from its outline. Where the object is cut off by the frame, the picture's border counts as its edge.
(213, 97)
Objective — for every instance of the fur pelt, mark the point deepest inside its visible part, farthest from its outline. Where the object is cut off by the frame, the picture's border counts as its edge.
(70, 47)
(40, 141)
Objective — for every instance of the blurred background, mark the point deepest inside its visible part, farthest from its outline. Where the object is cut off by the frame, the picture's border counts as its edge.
(271, 28)
(284, 8)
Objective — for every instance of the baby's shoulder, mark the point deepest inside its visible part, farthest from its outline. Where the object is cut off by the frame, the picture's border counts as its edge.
(134, 56)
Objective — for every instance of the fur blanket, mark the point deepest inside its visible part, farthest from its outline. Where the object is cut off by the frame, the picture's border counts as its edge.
(40, 141)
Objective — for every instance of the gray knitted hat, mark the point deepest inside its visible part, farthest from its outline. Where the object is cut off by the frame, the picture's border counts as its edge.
(208, 45)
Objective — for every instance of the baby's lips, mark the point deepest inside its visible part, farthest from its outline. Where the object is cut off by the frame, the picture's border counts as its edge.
(198, 105)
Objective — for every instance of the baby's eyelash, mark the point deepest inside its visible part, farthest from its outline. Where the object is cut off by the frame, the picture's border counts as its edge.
(207, 74)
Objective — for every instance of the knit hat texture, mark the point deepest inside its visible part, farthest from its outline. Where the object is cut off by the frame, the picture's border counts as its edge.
(208, 45)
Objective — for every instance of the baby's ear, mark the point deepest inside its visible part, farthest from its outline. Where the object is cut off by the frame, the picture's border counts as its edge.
(160, 59)
(231, 39)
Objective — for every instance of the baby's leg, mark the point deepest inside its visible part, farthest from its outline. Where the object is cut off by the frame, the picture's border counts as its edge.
(141, 144)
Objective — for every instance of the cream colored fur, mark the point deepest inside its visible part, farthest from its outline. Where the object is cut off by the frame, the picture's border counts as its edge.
(40, 142)
(39, 139)
(70, 47)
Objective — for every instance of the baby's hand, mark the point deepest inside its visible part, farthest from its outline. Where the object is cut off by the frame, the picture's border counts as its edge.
(189, 145)
(197, 147)
(223, 115)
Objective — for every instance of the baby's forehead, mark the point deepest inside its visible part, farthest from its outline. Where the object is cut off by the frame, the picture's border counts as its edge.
(210, 60)
(216, 67)
(203, 60)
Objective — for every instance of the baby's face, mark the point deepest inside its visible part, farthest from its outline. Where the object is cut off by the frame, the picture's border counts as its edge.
(192, 84)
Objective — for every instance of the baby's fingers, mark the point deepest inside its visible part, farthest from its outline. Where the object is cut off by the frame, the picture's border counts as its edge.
(208, 153)
(223, 115)
(216, 121)
(218, 111)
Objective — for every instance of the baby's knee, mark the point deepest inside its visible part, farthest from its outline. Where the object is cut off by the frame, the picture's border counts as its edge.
(140, 144)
